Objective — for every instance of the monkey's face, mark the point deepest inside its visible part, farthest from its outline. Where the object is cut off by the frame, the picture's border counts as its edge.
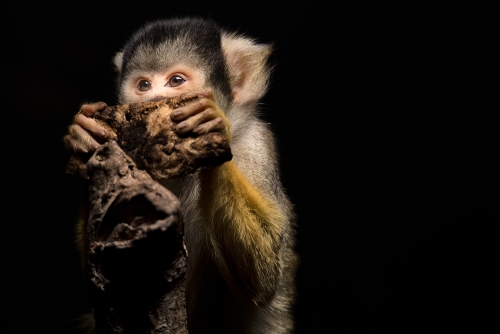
(143, 86)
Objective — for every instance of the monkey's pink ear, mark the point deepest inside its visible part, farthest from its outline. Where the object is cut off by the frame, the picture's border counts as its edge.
(248, 68)
(118, 61)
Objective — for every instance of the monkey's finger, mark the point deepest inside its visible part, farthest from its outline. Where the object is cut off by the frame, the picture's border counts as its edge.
(83, 137)
(90, 109)
(74, 145)
(194, 108)
(213, 125)
(208, 93)
(195, 120)
(91, 126)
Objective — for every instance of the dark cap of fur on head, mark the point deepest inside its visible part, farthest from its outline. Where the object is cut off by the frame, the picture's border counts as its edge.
(159, 44)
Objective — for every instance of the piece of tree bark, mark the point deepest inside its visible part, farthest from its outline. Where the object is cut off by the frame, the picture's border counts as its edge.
(136, 257)
(146, 133)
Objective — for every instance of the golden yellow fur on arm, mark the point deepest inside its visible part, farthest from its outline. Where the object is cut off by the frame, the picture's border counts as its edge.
(244, 230)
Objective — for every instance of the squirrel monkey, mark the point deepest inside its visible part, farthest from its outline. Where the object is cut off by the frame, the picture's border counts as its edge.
(238, 221)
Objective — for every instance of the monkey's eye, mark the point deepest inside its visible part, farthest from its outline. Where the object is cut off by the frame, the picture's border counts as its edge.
(144, 85)
(175, 81)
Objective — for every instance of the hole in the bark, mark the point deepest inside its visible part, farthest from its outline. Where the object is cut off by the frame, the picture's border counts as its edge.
(126, 215)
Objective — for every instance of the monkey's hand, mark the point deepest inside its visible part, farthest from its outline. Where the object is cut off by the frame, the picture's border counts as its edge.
(201, 116)
(85, 134)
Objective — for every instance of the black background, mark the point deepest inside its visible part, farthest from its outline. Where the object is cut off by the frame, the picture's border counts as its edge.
(387, 143)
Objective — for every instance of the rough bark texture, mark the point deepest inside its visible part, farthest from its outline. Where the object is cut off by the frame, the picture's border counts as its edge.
(146, 133)
(136, 258)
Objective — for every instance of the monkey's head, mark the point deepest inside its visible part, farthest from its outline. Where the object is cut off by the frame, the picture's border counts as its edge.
(184, 52)
(169, 57)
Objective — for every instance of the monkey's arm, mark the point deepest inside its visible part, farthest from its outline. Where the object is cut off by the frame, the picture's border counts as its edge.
(244, 218)
(244, 225)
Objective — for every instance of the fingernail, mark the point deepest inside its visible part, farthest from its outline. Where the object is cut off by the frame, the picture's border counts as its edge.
(182, 125)
(95, 146)
(176, 114)
(103, 134)
(198, 129)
